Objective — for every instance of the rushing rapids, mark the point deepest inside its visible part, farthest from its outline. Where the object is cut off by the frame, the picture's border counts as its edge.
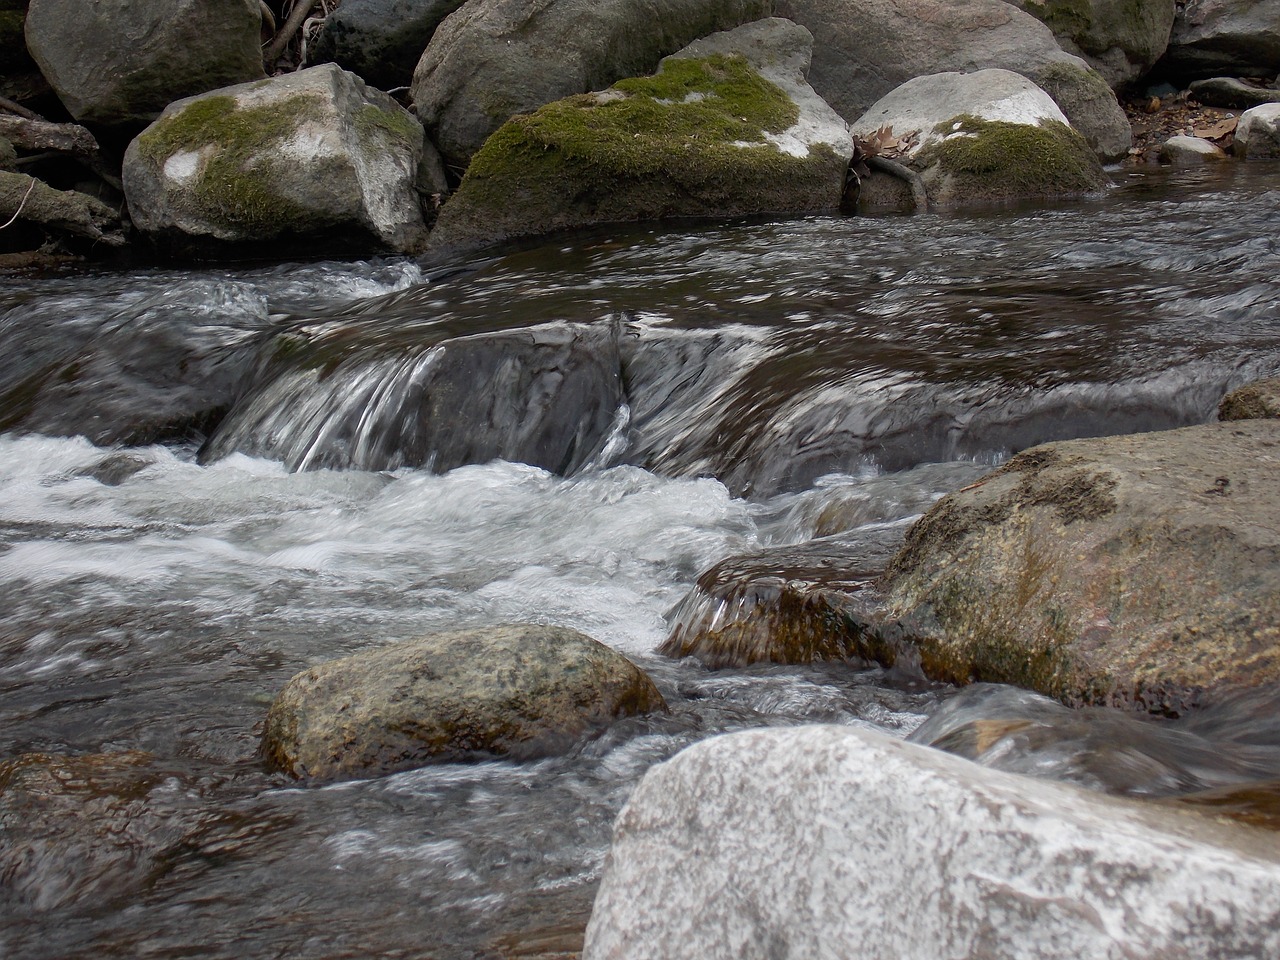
(213, 479)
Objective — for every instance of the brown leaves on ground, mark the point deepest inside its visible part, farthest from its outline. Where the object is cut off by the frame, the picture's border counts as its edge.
(1155, 120)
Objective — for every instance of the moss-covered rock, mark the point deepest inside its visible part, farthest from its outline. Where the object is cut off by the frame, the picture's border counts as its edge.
(515, 691)
(710, 135)
(1121, 39)
(1139, 570)
(1090, 106)
(1259, 400)
(315, 157)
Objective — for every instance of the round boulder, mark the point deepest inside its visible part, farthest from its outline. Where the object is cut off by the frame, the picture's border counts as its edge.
(518, 691)
(316, 157)
(120, 62)
(1258, 133)
(1141, 570)
(1187, 151)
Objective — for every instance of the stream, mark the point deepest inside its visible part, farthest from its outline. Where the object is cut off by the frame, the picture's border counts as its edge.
(213, 478)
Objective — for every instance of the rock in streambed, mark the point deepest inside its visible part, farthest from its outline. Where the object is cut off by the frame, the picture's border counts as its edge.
(516, 691)
(1259, 400)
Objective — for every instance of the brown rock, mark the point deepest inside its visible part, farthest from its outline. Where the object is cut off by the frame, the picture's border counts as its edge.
(1254, 401)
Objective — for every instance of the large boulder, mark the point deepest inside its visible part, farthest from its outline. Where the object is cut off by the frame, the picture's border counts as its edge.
(120, 62)
(1121, 39)
(1234, 38)
(498, 58)
(1138, 570)
(983, 137)
(863, 49)
(1258, 133)
(315, 157)
(727, 127)
(803, 842)
(515, 691)
(380, 40)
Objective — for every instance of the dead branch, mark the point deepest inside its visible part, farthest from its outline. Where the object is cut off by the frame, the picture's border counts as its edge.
(41, 135)
(918, 193)
(60, 211)
(301, 10)
(19, 109)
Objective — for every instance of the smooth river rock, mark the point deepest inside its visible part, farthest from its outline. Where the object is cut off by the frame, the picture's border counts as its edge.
(1139, 570)
(1258, 133)
(517, 691)
(120, 62)
(832, 842)
(727, 127)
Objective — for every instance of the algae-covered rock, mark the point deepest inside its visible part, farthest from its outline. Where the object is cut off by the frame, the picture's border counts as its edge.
(727, 127)
(989, 136)
(514, 691)
(1259, 400)
(1139, 570)
(863, 49)
(316, 157)
(835, 841)
(120, 62)
(499, 58)
(1121, 39)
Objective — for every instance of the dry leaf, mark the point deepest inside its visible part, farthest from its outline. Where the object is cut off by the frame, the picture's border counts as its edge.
(1217, 131)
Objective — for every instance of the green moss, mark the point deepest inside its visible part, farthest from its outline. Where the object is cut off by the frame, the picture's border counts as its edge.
(698, 107)
(236, 183)
(999, 160)
(1066, 18)
(371, 120)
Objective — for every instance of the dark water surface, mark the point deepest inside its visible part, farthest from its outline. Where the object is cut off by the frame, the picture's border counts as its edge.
(679, 395)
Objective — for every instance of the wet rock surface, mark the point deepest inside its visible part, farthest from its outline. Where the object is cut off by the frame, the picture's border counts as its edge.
(1141, 570)
(915, 853)
(515, 691)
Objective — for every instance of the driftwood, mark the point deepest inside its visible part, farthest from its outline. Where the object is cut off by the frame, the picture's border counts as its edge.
(70, 138)
(19, 109)
(59, 211)
(918, 194)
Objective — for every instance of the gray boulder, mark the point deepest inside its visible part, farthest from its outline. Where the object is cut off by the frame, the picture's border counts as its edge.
(863, 49)
(498, 58)
(380, 40)
(1121, 39)
(1138, 570)
(1186, 151)
(315, 157)
(120, 62)
(804, 842)
(515, 691)
(1258, 133)
(1233, 93)
(727, 127)
(1234, 38)
(989, 136)
(1259, 400)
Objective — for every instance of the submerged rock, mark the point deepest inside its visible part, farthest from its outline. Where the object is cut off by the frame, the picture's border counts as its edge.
(983, 137)
(500, 58)
(513, 691)
(863, 49)
(778, 843)
(727, 127)
(1258, 133)
(314, 157)
(1259, 400)
(120, 62)
(1138, 570)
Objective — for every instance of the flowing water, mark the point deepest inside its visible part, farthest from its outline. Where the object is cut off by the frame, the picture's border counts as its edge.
(214, 478)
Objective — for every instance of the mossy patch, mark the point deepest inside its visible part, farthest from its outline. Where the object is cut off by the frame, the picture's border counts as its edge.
(236, 185)
(992, 160)
(371, 120)
(1066, 18)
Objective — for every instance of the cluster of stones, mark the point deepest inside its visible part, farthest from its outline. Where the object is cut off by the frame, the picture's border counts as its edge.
(540, 119)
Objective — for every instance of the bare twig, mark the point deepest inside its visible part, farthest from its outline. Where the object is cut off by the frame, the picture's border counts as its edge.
(19, 109)
(301, 10)
(17, 213)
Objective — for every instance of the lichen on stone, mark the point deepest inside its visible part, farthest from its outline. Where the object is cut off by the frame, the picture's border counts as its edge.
(236, 176)
(371, 120)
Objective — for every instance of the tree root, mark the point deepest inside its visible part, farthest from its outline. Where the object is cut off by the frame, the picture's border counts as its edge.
(919, 195)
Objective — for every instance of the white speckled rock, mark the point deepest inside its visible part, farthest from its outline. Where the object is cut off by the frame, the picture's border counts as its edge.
(834, 842)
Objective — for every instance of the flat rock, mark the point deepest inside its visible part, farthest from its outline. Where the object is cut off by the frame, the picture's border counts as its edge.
(1230, 92)
(515, 691)
(1234, 38)
(799, 842)
(1139, 570)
